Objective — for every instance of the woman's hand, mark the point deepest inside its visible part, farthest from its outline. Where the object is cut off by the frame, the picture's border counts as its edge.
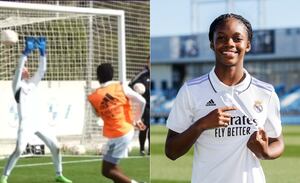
(258, 143)
(140, 125)
(217, 118)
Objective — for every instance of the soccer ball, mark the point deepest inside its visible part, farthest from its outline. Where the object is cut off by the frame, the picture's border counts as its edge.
(139, 88)
(9, 37)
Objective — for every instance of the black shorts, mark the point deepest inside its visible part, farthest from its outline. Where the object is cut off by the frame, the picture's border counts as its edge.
(146, 117)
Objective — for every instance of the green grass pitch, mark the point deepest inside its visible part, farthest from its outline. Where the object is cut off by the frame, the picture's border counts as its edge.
(78, 169)
(282, 170)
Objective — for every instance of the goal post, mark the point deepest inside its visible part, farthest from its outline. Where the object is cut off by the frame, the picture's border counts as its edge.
(87, 11)
(78, 40)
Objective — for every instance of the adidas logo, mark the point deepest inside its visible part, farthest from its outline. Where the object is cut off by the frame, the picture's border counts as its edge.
(210, 103)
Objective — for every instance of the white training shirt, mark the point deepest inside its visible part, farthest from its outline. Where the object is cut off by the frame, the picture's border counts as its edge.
(28, 101)
(221, 154)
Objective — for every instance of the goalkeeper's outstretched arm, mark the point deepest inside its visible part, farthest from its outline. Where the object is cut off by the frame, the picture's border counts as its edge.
(18, 74)
(39, 74)
(31, 44)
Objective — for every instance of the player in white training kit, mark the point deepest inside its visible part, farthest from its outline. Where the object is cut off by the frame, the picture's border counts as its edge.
(232, 118)
(24, 89)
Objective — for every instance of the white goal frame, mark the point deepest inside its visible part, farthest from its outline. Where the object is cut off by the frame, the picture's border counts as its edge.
(121, 58)
(66, 9)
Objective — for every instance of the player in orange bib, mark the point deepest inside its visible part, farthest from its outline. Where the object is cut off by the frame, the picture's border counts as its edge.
(112, 102)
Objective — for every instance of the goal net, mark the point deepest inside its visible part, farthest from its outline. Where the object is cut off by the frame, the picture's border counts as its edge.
(78, 40)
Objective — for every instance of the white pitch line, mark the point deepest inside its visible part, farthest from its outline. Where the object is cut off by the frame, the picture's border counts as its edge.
(70, 162)
(50, 163)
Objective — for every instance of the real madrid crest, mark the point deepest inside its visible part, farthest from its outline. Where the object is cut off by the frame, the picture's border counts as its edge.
(258, 106)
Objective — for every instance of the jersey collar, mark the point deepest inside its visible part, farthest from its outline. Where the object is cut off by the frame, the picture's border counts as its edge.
(108, 83)
(219, 86)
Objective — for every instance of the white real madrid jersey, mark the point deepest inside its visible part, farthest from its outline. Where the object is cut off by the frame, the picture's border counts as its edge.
(221, 154)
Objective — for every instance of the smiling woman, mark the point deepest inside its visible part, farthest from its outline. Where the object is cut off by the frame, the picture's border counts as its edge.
(230, 36)
(217, 112)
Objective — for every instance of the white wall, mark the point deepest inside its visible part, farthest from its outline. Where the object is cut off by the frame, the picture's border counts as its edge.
(62, 108)
(161, 72)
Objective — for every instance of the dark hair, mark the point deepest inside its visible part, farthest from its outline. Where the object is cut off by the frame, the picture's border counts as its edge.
(222, 18)
(105, 72)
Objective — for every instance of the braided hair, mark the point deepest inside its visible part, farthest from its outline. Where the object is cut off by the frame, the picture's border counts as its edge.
(222, 18)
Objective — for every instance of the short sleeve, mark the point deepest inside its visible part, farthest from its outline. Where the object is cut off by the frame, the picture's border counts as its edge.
(181, 115)
(273, 123)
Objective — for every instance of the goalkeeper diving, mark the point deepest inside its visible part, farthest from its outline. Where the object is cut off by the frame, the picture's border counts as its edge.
(25, 93)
